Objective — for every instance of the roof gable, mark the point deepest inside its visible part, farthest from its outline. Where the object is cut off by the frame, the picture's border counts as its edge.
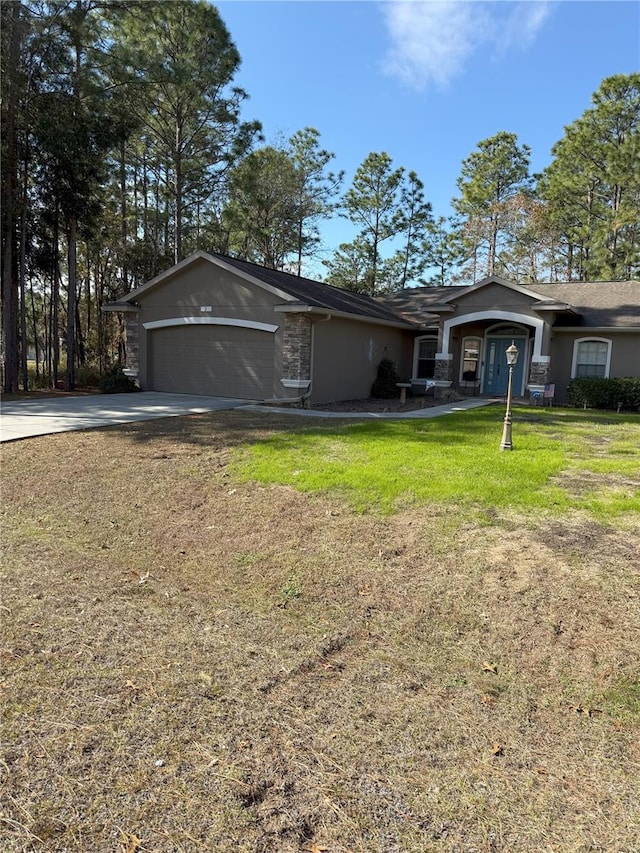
(490, 280)
(164, 276)
(304, 293)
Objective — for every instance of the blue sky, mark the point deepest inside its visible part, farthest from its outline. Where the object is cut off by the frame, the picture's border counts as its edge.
(426, 81)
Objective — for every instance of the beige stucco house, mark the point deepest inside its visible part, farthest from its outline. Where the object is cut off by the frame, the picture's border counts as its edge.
(217, 325)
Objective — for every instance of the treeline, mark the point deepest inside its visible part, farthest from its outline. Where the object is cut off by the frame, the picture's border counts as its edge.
(125, 148)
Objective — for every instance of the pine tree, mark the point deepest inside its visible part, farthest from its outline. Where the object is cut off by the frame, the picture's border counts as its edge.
(316, 189)
(592, 187)
(372, 203)
(490, 177)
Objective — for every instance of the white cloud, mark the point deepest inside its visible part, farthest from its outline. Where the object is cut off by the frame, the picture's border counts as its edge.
(432, 41)
(525, 22)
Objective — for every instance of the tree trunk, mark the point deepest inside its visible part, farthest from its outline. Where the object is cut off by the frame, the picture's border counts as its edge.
(123, 217)
(21, 280)
(493, 245)
(9, 272)
(71, 303)
(54, 334)
(34, 327)
(177, 189)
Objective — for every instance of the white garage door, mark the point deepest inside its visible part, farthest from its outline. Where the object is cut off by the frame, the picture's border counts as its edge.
(224, 361)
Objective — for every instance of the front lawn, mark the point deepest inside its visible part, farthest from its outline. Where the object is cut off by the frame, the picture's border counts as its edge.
(456, 459)
(251, 633)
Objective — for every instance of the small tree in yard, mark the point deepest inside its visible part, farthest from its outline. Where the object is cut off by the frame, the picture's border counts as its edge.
(385, 386)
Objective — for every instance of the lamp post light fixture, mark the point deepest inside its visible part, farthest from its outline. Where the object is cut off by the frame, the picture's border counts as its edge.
(512, 357)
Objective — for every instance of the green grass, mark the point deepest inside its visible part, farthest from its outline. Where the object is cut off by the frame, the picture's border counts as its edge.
(623, 698)
(386, 465)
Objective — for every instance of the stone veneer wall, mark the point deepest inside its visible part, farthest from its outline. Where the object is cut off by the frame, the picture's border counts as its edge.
(296, 347)
(539, 373)
(443, 370)
(132, 340)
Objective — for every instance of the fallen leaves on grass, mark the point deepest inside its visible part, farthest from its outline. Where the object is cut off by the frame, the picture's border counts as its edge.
(331, 732)
(587, 712)
(130, 843)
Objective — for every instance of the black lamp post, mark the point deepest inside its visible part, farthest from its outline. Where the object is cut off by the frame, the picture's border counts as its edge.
(512, 358)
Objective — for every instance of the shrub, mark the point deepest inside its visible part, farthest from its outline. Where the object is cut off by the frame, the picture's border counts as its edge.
(385, 386)
(37, 382)
(629, 392)
(114, 381)
(88, 376)
(600, 393)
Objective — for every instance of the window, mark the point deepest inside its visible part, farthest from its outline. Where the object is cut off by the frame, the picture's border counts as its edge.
(470, 366)
(591, 357)
(424, 364)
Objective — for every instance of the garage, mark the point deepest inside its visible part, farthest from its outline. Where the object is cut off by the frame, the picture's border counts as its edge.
(221, 360)
(224, 327)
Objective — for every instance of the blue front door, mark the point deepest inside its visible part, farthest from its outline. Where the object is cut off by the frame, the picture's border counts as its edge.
(496, 369)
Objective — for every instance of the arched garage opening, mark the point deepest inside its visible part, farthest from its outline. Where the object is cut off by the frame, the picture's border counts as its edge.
(211, 358)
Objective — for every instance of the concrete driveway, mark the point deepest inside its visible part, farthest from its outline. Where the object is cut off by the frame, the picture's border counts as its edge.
(27, 418)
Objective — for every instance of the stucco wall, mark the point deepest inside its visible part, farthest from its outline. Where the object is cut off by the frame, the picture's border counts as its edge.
(203, 283)
(346, 356)
(494, 296)
(625, 356)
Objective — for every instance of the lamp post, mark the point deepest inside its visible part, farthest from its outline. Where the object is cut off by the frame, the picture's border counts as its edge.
(512, 358)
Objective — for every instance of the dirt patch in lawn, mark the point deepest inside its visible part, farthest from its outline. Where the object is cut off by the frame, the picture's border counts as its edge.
(195, 664)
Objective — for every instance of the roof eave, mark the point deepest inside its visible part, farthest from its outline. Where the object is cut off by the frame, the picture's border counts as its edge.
(303, 307)
(123, 307)
(441, 309)
(556, 306)
(626, 329)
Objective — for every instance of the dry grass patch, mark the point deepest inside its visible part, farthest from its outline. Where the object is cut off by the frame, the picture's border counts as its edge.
(194, 663)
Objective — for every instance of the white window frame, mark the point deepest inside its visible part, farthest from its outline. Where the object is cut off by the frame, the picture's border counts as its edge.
(471, 382)
(595, 339)
(416, 354)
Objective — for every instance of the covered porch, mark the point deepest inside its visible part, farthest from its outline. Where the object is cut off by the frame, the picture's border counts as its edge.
(466, 354)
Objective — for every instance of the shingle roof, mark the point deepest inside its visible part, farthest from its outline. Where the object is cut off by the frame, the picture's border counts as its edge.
(614, 304)
(599, 303)
(596, 303)
(413, 303)
(317, 294)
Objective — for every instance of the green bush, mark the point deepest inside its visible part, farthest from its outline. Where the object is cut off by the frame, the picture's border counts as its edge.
(599, 393)
(629, 392)
(37, 382)
(88, 376)
(115, 382)
(385, 386)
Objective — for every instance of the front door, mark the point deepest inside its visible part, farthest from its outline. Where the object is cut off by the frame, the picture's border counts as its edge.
(496, 369)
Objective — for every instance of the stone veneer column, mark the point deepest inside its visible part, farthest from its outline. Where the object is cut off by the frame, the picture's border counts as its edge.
(443, 369)
(296, 348)
(539, 373)
(131, 330)
(443, 376)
